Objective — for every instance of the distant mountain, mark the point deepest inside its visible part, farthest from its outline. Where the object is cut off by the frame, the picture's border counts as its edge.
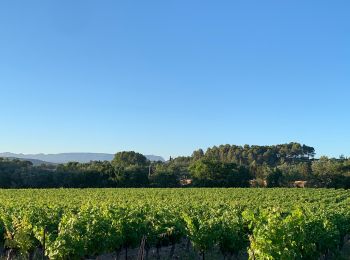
(71, 157)
(33, 161)
(155, 158)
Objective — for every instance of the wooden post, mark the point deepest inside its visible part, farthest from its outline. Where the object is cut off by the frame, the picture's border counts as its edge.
(10, 254)
(141, 255)
(44, 243)
(172, 250)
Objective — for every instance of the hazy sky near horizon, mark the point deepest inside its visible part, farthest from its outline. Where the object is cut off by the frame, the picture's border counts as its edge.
(168, 77)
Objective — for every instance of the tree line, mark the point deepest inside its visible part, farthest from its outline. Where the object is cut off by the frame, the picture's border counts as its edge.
(219, 166)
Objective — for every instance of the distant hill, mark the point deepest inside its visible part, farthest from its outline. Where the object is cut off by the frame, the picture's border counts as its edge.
(70, 157)
(33, 161)
(155, 158)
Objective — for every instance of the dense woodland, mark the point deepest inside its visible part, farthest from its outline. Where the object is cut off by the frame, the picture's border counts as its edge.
(220, 166)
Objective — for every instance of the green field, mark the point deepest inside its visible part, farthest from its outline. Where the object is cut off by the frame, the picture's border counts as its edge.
(254, 223)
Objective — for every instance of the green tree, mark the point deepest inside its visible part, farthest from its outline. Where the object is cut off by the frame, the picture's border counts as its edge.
(164, 176)
(131, 169)
(274, 178)
(213, 173)
(126, 159)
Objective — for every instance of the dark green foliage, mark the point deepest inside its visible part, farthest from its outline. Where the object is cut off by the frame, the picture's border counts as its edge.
(222, 166)
(130, 169)
(12, 171)
(126, 159)
(270, 155)
(274, 178)
(213, 173)
(131, 176)
(163, 175)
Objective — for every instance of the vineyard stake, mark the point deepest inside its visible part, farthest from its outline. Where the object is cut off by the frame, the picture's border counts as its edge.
(44, 243)
(142, 249)
(9, 254)
(172, 250)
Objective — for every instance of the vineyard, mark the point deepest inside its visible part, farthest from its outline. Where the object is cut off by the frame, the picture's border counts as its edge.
(235, 223)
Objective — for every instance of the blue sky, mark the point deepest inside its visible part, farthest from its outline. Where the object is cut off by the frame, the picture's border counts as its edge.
(168, 77)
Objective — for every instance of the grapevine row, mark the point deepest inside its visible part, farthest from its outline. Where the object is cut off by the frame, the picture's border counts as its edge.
(264, 224)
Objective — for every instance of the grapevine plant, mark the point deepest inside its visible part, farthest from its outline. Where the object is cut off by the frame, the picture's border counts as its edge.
(261, 223)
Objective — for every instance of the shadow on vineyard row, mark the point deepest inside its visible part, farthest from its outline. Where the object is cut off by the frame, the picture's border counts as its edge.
(183, 250)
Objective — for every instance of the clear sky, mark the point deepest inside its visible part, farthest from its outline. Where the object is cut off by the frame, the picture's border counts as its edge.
(168, 77)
